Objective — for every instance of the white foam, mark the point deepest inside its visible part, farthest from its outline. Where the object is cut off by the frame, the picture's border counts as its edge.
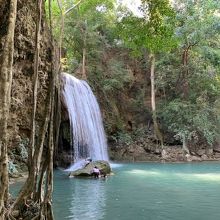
(88, 135)
(75, 166)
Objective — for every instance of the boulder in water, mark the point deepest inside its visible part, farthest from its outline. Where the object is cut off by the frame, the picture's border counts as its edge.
(102, 165)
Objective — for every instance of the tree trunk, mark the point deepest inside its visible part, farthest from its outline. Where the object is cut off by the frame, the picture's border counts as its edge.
(35, 79)
(46, 211)
(185, 83)
(84, 64)
(6, 64)
(30, 190)
(157, 131)
(185, 147)
(84, 34)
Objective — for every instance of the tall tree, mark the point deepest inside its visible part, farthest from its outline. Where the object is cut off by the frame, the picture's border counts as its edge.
(189, 75)
(37, 191)
(82, 26)
(197, 23)
(152, 32)
(6, 66)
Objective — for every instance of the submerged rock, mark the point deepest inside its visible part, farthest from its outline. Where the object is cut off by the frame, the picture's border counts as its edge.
(102, 165)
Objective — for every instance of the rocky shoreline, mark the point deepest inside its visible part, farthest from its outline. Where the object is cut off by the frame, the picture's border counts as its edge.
(147, 151)
(142, 150)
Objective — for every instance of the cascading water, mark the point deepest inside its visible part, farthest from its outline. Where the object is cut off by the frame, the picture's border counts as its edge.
(88, 136)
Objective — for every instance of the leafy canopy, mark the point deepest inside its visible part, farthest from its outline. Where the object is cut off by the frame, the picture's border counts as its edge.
(153, 30)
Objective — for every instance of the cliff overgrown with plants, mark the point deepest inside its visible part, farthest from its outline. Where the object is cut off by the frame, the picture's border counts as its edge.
(165, 58)
(156, 74)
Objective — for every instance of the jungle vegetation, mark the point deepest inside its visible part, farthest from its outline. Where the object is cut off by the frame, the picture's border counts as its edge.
(176, 43)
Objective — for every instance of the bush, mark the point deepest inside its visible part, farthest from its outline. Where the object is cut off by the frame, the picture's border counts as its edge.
(190, 121)
(122, 137)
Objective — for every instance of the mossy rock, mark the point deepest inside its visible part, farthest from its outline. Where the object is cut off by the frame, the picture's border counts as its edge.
(102, 165)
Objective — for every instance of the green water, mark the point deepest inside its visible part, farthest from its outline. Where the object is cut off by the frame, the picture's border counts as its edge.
(142, 191)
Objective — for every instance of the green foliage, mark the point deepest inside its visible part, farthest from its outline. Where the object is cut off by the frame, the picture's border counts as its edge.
(139, 133)
(122, 138)
(167, 31)
(117, 76)
(192, 121)
(155, 28)
(89, 26)
(197, 21)
(195, 116)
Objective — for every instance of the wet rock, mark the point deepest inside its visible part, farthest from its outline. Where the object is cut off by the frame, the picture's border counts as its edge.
(153, 152)
(157, 150)
(216, 149)
(196, 158)
(138, 150)
(204, 157)
(209, 151)
(201, 152)
(217, 155)
(188, 157)
(164, 154)
(102, 165)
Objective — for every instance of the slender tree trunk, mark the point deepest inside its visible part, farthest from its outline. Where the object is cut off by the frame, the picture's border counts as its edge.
(5, 94)
(185, 147)
(84, 64)
(61, 25)
(57, 68)
(35, 79)
(29, 186)
(46, 211)
(47, 203)
(29, 191)
(57, 117)
(185, 83)
(39, 150)
(39, 194)
(84, 34)
(153, 101)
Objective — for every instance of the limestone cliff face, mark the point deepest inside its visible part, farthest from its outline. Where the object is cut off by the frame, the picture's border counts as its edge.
(129, 107)
(21, 94)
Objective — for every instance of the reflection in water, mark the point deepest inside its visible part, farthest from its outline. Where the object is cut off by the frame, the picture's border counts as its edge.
(200, 176)
(187, 176)
(88, 202)
(145, 172)
(116, 165)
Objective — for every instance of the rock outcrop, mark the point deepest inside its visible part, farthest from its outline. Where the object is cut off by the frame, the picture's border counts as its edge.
(102, 165)
(19, 125)
(146, 149)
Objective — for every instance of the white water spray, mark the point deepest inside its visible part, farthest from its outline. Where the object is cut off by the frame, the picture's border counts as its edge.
(88, 136)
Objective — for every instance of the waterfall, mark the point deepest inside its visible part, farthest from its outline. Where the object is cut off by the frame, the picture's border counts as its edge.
(88, 136)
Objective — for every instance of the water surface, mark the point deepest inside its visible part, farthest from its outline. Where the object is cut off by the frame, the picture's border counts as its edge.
(142, 191)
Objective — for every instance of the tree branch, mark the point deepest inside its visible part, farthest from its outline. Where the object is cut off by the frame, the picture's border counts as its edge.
(74, 6)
